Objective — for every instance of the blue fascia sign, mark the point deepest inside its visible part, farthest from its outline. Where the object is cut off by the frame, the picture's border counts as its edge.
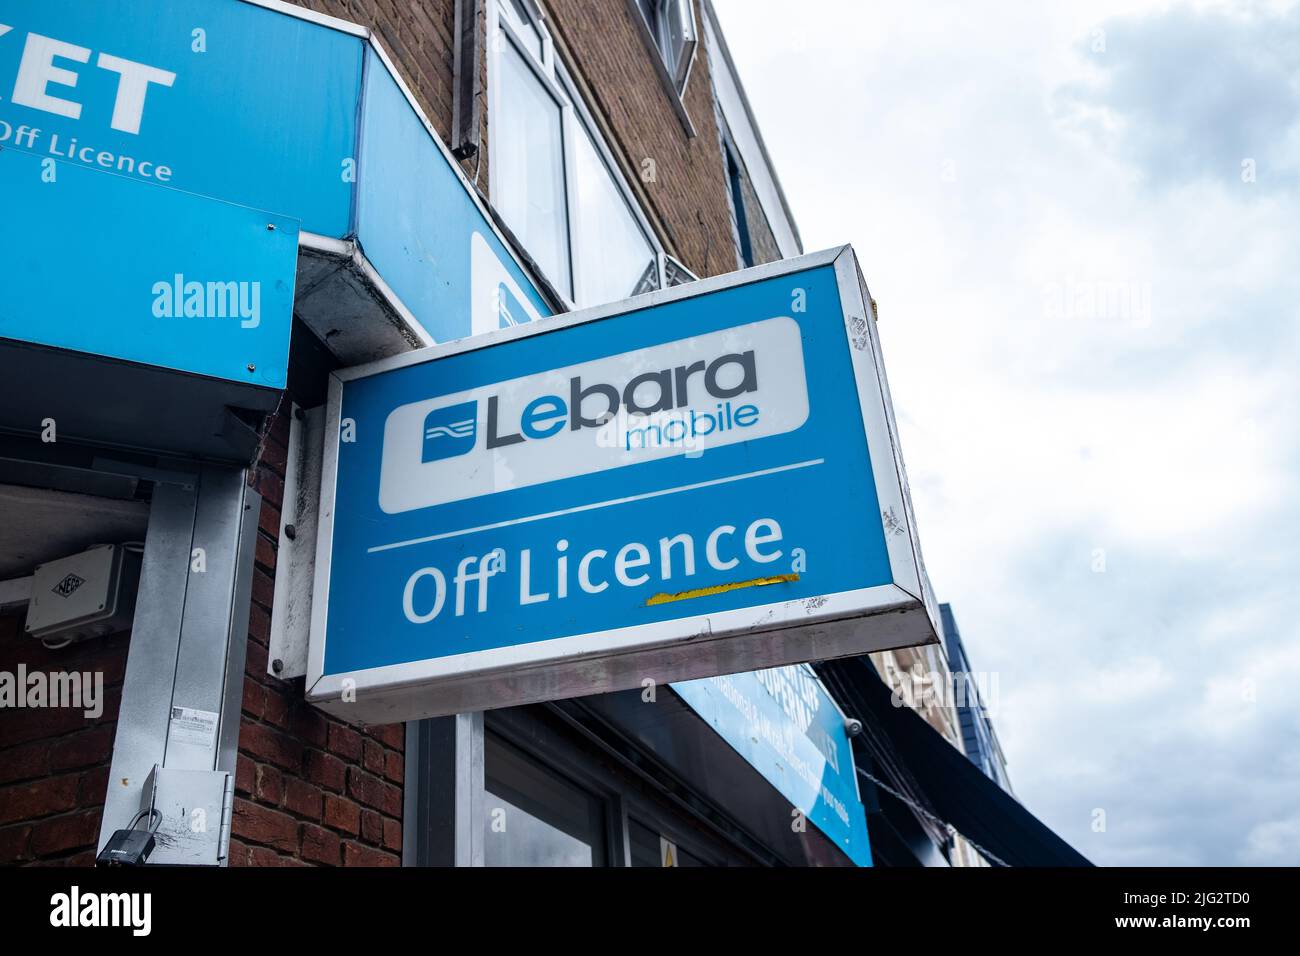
(699, 481)
(183, 283)
(261, 105)
(789, 729)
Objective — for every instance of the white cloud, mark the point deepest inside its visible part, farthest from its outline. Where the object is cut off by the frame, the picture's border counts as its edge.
(1167, 435)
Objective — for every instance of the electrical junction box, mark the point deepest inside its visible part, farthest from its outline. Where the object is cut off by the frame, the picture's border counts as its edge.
(91, 594)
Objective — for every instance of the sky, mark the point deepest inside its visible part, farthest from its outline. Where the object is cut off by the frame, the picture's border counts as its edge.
(1081, 224)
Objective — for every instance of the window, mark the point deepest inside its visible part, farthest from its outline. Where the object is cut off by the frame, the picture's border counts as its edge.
(534, 817)
(552, 179)
(648, 848)
(736, 179)
(672, 27)
(533, 200)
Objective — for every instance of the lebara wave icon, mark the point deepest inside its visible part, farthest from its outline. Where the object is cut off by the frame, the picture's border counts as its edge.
(450, 431)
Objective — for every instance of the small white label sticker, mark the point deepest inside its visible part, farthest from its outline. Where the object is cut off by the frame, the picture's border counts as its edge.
(190, 726)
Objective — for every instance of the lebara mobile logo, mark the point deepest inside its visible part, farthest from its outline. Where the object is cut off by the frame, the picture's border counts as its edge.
(739, 384)
(450, 431)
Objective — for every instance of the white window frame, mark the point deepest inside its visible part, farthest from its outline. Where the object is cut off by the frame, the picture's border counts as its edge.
(679, 74)
(574, 118)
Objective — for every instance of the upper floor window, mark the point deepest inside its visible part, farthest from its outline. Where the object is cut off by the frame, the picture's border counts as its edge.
(552, 178)
(672, 27)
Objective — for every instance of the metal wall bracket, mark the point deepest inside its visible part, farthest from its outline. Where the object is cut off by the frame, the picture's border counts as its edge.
(296, 560)
(178, 724)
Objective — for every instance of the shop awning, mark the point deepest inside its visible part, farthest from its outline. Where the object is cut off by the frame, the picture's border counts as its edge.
(948, 784)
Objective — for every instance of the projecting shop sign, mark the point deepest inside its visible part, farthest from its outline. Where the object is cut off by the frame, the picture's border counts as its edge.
(695, 482)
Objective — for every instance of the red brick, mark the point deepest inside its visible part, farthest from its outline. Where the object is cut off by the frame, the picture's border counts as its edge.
(319, 845)
(21, 763)
(13, 844)
(268, 785)
(342, 814)
(270, 745)
(392, 835)
(85, 749)
(302, 798)
(257, 824)
(41, 798)
(373, 756)
(75, 831)
(270, 486)
(264, 856)
(92, 787)
(395, 767)
(268, 519)
(240, 854)
(308, 724)
(345, 742)
(392, 736)
(259, 625)
(372, 827)
(373, 792)
(254, 699)
(263, 587)
(256, 660)
(277, 709)
(326, 770)
(358, 854)
(245, 774)
(265, 552)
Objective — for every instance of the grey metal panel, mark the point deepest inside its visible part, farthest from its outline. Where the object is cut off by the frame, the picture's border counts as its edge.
(469, 789)
(443, 800)
(145, 709)
(237, 640)
(209, 603)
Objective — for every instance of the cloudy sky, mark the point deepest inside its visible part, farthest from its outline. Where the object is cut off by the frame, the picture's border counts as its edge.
(1081, 222)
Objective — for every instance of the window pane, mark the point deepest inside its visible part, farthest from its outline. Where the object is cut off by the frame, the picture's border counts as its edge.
(514, 9)
(528, 840)
(676, 274)
(534, 817)
(529, 164)
(613, 256)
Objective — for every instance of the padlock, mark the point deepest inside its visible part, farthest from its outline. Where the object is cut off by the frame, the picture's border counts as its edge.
(131, 847)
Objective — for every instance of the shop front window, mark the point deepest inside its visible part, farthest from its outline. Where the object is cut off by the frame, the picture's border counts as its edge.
(532, 816)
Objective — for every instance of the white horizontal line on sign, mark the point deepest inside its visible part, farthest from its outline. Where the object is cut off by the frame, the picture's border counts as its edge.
(594, 506)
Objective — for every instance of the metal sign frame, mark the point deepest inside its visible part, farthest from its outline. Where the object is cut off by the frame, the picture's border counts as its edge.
(818, 628)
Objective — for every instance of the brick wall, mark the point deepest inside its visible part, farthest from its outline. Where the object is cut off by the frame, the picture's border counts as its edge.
(689, 195)
(309, 789)
(417, 34)
(54, 761)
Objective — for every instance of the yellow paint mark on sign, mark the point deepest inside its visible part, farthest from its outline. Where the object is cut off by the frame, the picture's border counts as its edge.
(665, 598)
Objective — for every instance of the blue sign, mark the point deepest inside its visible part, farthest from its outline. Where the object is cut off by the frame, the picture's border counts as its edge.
(635, 492)
(429, 239)
(215, 97)
(181, 282)
(789, 729)
(297, 114)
